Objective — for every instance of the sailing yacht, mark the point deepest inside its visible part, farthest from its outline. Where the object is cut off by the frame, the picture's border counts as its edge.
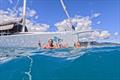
(16, 34)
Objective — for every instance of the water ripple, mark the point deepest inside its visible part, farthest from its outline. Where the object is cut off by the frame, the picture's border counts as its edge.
(7, 54)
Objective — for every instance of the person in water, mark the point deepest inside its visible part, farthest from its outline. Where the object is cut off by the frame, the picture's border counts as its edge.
(49, 45)
(77, 45)
(61, 45)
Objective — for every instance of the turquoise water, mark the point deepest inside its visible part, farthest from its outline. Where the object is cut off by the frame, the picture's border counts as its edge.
(102, 63)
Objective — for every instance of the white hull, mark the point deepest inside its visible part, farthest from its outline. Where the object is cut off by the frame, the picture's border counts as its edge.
(32, 39)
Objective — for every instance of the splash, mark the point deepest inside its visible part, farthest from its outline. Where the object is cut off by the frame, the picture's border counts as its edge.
(104, 49)
(30, 68)
(4, 59)
(8, 54)
(67, 54)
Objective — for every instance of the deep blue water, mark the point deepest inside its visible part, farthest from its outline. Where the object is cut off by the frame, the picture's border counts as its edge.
(101, 63)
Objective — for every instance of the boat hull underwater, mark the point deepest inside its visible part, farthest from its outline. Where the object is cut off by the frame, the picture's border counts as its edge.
(33, 39)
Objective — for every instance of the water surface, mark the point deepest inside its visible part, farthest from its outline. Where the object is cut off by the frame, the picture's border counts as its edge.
(100, 63)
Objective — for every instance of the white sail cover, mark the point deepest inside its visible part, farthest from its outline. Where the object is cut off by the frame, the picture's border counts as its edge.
(6, 27)
(9, 22)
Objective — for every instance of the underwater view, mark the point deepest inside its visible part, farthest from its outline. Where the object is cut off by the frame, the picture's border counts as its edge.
(98, 63)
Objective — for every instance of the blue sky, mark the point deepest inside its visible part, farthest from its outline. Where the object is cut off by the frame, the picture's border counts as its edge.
(51, 11)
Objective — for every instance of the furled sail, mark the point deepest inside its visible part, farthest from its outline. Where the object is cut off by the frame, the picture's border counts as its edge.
(7, 27)
(10, 22)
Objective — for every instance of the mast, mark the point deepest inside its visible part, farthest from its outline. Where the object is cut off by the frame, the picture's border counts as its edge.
(24, 15)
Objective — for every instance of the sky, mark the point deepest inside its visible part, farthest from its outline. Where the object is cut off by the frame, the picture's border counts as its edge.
(49, 12)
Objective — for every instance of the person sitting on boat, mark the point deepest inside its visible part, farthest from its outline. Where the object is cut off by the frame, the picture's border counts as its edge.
(77, 45)
(49, 45)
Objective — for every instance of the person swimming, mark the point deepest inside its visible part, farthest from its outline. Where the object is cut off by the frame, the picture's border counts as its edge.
(77, 45)
(61, 44)
(49, 45)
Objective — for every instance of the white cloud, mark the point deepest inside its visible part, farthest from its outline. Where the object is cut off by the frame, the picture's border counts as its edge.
(3, 12)
(31, 13)
(6, 16)
(36, 17)
(10, 15)
(116, 33)
(98, 22)
(95, 15)
(95, 34)
(104, 35)
(64, 25)
(81, 23)
(100, 35)
(20, 9)
(11, 1)
(37, 27)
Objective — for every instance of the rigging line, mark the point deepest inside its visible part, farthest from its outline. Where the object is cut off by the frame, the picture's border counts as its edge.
(64, 8)
(67, 14)
(15, 8)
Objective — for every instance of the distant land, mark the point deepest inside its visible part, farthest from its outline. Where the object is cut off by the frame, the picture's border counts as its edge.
(105, 43)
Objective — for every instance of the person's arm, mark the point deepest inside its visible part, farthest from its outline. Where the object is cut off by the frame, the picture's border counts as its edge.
(39, 44)
(44, 46)
(65, 45)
